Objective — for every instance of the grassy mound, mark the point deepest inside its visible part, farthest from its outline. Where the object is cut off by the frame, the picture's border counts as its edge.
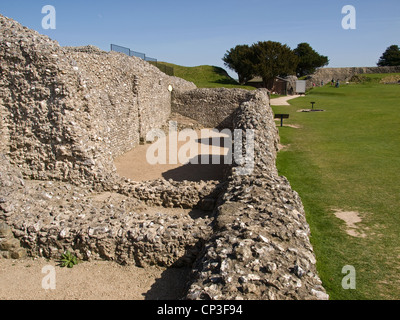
(206, 76)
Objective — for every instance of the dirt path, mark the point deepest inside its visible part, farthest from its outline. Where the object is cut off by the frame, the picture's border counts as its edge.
(100, 280)
(283, 101)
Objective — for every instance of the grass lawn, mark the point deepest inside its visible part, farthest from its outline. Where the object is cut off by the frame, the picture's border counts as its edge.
(348, 158)
(206, 76)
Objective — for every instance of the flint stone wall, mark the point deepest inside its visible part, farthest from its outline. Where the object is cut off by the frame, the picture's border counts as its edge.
(345, 74)
(130, 225)
(211, 107)
(67, 113)
(260, 247)
(63, 114)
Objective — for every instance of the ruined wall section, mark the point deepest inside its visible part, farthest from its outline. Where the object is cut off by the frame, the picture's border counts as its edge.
(46, 115)
(49, 217)
(154, 99)
(260, 248)
(211, 107)
(3, 129)
(112, 98)
(129, 96)
(345, 74)
(68, 112)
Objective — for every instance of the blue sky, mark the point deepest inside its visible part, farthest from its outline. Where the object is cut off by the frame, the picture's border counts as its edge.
(193, 33)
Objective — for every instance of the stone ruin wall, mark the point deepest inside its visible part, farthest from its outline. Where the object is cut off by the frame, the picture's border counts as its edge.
(3, 129)
(211, 107)
(260, 247)
(67, 113)
(64, 118)
(345, 74)
(130, 97)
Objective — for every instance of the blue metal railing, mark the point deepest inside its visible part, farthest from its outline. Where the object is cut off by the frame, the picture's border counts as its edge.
(162, 67)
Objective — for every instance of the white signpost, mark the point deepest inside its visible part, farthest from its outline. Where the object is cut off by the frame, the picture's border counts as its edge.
(301, 86)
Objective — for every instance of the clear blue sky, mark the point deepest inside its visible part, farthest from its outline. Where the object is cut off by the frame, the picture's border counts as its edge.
(194, 33)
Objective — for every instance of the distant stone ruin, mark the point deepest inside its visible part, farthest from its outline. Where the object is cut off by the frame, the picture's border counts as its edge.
(326, 75)
(67, 113)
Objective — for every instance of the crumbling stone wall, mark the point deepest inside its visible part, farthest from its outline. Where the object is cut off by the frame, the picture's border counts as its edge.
(63, 115)
(112, 97)
(133, 96)
(211, 107)
(130, 225)
(345, 74)
(3, 129)
(67, 113)
(260, 247)
(37, 109)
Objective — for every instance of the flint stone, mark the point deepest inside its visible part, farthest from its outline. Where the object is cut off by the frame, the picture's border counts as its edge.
(5, 230)
(9, 244)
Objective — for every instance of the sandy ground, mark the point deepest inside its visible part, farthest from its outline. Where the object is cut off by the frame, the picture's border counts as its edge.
(100, 280)
(351, 218)
(135, 164)
(96, 280)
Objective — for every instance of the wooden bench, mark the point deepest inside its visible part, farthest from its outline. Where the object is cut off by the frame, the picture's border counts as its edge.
(281, 116)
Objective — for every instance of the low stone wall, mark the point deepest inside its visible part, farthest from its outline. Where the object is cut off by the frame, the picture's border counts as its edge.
(345, 74)
(130, 225)
(260, 248)
(211, 107)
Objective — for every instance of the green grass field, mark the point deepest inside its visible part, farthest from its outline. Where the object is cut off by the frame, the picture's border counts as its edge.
(206, 76)
(348, 158)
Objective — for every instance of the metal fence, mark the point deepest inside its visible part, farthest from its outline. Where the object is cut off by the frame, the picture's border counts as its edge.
(124, 50)
(166, 69)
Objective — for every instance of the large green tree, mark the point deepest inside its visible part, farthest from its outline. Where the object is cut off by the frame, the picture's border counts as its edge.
(239, 59)
(391, 57)
(272, 59)
(309, 59)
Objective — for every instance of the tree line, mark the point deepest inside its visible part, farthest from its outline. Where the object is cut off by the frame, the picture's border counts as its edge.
(269, 59)
(391, 57)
